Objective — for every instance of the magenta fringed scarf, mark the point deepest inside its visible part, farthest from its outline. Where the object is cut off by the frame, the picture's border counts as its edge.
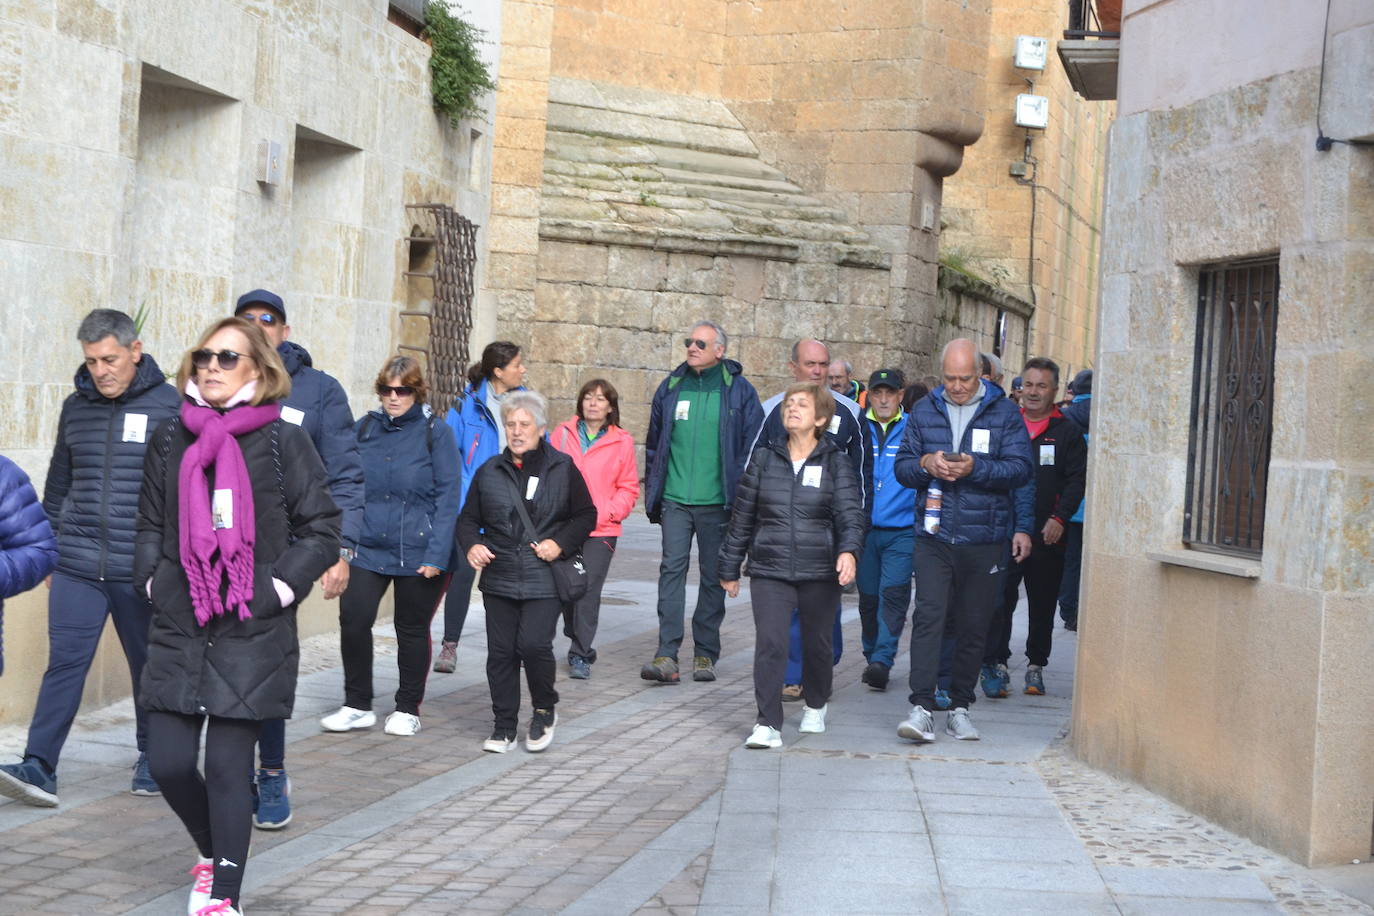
(211, 554)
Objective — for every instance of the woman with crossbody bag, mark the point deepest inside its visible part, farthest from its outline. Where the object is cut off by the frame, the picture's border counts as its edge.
(528, 513)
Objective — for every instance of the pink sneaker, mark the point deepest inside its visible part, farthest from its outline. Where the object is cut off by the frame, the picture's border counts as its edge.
(219, 908)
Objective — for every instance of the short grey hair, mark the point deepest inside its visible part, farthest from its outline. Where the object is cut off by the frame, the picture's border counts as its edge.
(532, 402)
(721, 337)
(848, 367)
(995, 365)
(102, 323)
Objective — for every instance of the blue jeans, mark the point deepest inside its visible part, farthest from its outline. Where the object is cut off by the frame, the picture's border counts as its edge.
(680, 523)
(885, 591)
(77, 609)
(793, 674)
(272, 744)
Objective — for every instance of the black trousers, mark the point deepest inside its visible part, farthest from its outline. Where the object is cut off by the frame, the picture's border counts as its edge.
(1042, 572)
(581, 617)
(458, 598)
(961, 585)
(218, 808)
(520, 633)
(417, 598)
(774, 601)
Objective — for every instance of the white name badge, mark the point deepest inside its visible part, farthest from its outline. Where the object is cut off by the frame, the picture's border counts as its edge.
(135, 427)
(292, 415)
(531, 487)
(683, 409)
(811, 475)
(222, 509)
(980, 441)
(834, 424)
(1047, 454)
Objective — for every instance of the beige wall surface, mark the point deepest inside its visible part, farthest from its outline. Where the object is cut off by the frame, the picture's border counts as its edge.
(129, 133)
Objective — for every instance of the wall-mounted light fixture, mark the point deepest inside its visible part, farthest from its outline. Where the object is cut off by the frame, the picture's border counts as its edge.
(1031, 52)
(1032, 111)
(269, 165)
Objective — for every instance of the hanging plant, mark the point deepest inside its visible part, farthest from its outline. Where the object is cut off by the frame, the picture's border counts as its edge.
(458, 77)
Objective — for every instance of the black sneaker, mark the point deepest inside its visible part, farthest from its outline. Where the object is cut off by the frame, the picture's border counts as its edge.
(29, 782)
(875, 675)
(541, 729)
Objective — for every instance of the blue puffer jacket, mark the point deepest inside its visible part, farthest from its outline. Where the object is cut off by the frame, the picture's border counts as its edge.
(474, 429)
(317, 403)
(91, 494)
(410, 466)
(741, 418)
(977, 509)
(1080, 412)
(28, 551)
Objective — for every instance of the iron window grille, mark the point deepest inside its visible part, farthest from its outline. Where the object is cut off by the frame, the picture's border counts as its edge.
(1233, 402)
(454, 240)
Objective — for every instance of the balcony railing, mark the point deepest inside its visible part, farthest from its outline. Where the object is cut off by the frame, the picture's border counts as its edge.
(1094, 19)
(1091, 47)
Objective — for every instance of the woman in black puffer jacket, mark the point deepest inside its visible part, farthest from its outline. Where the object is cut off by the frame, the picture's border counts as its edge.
(799, 515)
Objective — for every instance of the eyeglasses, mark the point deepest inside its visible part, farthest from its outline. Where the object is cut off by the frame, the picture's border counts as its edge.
(401, 391)
(690, 342)
(227, 359)
(267, 318)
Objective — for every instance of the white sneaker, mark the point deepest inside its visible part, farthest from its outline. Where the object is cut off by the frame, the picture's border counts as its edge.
(347, 719)
(402, 723)
(813, 721)
(218, 907)
(764, 736)
(498, 743)
(960, 725)
(202, 879)
(918, 727)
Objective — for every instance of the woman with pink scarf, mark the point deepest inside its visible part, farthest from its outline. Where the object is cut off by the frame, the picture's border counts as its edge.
(235, 525)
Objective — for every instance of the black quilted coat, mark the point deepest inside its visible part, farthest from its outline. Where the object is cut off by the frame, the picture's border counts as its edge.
(231, 668)
(791, 529)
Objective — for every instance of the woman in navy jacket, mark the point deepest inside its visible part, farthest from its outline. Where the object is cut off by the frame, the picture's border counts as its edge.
(28, 550)
(411, 498)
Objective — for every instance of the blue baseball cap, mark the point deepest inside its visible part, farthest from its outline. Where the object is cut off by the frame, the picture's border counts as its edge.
(263, 297)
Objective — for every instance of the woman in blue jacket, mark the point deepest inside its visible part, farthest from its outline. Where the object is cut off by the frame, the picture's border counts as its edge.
(410, 508)
(479, 435)
(28, 551)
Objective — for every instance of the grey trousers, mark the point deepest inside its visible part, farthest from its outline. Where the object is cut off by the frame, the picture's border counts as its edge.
(581, 617)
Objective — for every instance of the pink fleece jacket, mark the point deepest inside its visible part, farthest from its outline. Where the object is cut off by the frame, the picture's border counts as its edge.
(609, 469)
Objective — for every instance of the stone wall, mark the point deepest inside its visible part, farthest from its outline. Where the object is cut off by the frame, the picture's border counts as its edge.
(1243, 696)
(130, 129)
(969, 307)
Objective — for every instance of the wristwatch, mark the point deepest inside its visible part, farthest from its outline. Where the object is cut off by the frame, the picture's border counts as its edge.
(347, 554)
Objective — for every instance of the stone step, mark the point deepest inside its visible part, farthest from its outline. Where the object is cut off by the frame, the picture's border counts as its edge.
(657, 131)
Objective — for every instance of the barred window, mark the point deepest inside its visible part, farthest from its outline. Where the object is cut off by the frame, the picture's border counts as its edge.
(1233, 402)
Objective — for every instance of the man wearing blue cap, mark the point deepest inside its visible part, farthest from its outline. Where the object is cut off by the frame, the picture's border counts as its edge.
(317, 403)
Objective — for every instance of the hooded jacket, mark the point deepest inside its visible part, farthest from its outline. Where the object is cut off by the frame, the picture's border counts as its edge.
(609, 469)
(741, 417)
(91, 494)
(474, 429)
(317, 404)
(28, 550)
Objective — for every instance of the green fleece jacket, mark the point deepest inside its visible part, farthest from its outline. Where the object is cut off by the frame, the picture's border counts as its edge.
(695, 476)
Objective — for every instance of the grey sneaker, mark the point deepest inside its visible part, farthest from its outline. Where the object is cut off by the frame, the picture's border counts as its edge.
(662, 669)
(1035, 680)
(918, 727)
(960, 726)
(447, 662)
(703, 669)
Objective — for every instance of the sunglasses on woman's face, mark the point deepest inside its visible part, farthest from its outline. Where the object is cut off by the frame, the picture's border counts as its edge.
(227, 359)
(401, 391)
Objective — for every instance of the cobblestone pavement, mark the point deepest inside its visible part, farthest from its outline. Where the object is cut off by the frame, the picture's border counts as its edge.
(647, 803)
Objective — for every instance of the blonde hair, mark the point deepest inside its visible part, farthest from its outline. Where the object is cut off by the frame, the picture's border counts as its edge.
(275, 382)
(820, 396)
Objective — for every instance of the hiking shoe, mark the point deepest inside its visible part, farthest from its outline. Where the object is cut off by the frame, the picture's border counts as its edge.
(1035, 680)
(447, 661)
(499, 742)
(579, 668)
(541, 730)
(703, 669)
(960, 726)
(662, 669)
(143, 782)
(274, 800)
(918, 727)
(402, 724)
(942, 700)
(791, 693)
(876, 675)
(813, 721)
(219, 908)
(29, 782)
(202, 879)
(994, 688)
(347, 719)
(764, 736)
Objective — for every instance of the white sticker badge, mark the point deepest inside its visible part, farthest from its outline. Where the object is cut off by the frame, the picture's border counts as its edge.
(1047, 454)
(222, 509)
(135, 427)
(980, 441)
(811, 475)
(683, 409)
(292, 415)
(835, 424)
(531, 487)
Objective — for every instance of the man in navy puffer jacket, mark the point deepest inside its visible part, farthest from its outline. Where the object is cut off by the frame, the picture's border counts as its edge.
(28, 551)
(969, 438)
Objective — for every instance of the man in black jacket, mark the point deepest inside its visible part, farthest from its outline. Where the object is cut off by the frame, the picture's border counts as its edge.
(91, 498)
(1061, 462)
(318, 405)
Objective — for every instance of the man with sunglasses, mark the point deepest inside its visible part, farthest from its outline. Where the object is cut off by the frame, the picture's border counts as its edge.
(91, 499)
(317, 403)
(704, 416)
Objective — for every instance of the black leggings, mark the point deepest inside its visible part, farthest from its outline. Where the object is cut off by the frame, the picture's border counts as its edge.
(217, 809)
(417, 598)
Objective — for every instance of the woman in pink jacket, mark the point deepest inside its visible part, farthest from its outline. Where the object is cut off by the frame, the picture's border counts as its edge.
(605, 454)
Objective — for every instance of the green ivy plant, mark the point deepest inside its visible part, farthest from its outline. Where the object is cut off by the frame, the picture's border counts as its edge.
(458, 77)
